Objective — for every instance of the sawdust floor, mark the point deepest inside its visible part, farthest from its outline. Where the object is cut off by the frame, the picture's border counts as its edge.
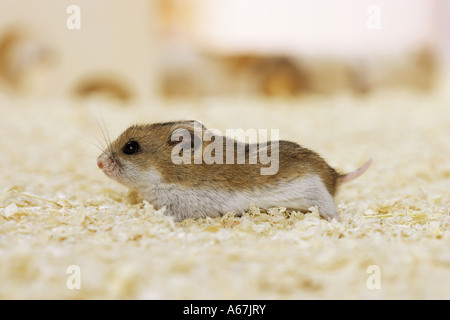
(62, 220)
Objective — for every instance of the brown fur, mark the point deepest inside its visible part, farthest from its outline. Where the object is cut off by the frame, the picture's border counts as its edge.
(156, 146)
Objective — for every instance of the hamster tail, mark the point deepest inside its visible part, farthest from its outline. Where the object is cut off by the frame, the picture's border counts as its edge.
(355, 174)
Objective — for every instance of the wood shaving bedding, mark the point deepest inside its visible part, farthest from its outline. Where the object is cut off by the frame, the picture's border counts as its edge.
(58, 210)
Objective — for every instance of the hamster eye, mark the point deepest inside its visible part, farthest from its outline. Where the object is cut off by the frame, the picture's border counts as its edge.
(131, 147)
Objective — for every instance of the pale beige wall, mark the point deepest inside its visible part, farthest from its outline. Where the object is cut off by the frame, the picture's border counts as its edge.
(115, 37)
(446, 25)
(330, 27)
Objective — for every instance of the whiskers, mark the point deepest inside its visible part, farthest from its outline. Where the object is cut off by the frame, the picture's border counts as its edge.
(104, 145)
(95, 143)
(86, 158)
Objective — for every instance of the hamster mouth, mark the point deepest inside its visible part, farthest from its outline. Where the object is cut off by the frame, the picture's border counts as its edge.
(109, 166)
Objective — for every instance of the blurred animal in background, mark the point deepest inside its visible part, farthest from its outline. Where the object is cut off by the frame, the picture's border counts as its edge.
(197, 74)
(200, 74)
(274, 75)
(24, 62)
(105, 87)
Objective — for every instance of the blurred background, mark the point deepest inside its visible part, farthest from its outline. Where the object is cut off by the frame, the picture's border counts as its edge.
(145, 49)
(349, 79)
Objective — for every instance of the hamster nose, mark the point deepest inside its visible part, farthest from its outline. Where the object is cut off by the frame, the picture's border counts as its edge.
(99, 163)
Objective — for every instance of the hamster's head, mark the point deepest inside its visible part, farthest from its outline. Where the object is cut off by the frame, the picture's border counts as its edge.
(141, 149)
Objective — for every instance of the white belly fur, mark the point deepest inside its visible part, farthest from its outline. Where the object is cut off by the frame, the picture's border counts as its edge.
(184, 203)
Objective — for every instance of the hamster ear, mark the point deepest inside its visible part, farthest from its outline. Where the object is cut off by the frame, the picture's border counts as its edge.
(196, 125)
(186, 138)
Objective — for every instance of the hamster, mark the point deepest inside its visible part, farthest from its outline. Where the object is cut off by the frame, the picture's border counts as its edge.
(142, 158)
